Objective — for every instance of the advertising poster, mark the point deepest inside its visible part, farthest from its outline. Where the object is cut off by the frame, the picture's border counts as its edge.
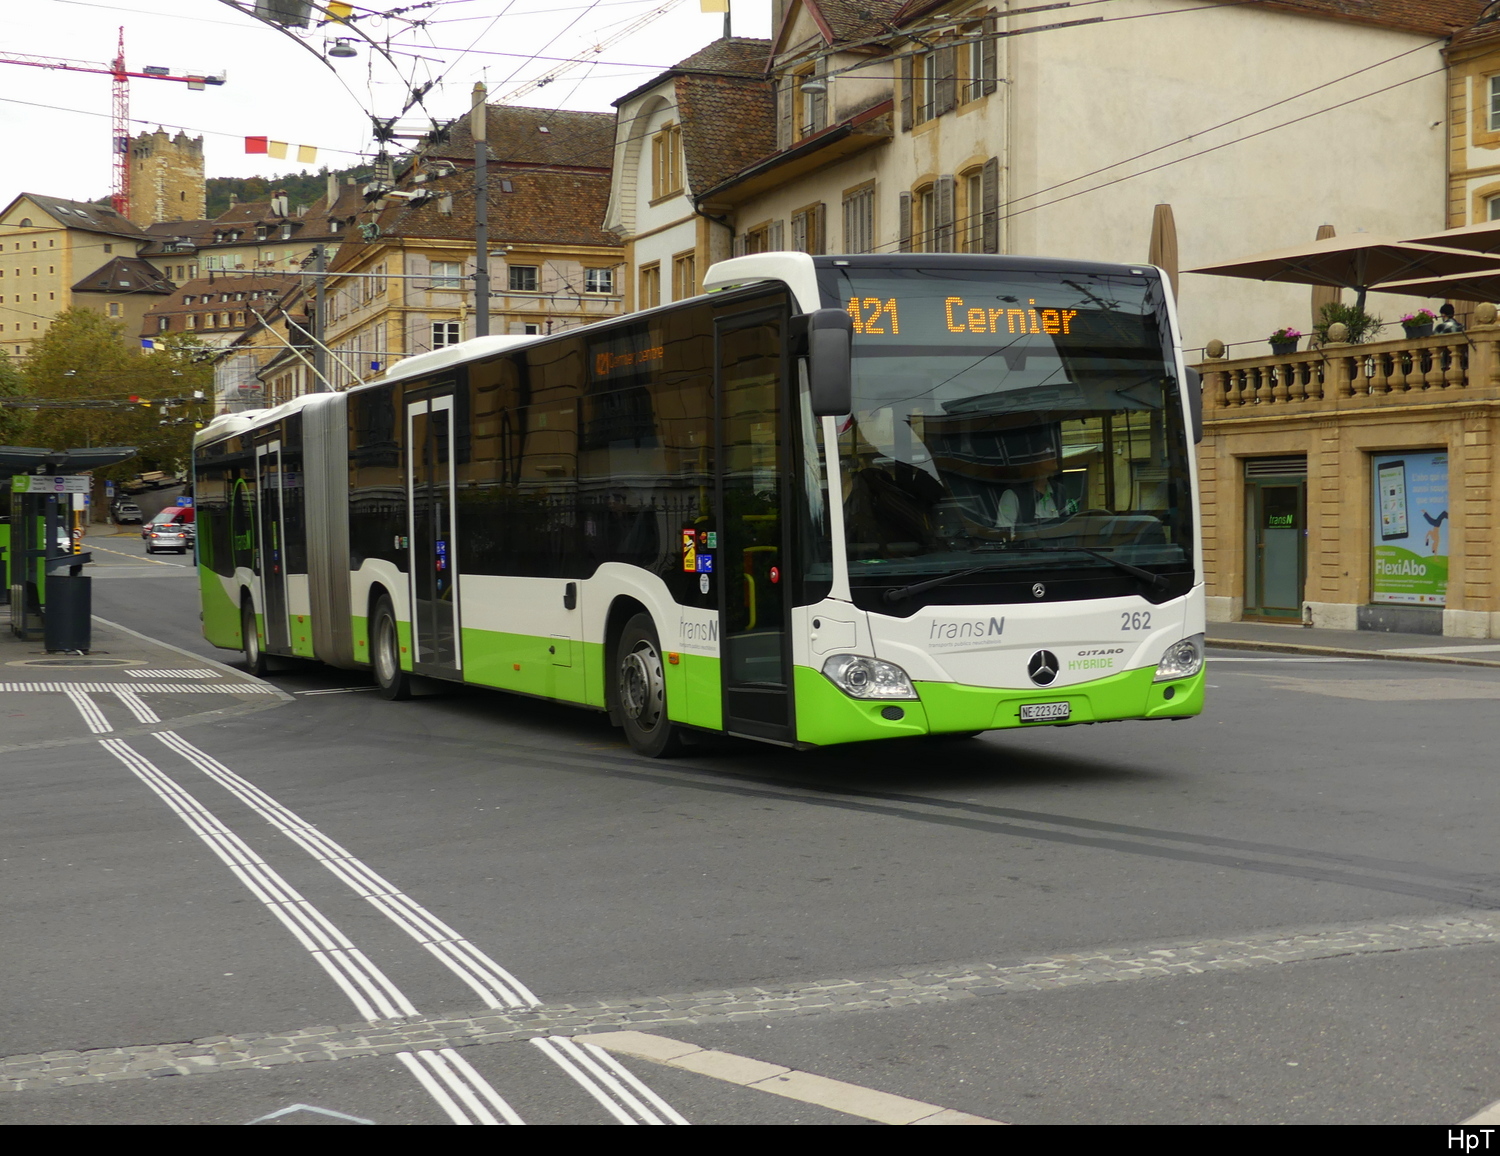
(1410, 536)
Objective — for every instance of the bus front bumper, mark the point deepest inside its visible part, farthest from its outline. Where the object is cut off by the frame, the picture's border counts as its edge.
(826, 715)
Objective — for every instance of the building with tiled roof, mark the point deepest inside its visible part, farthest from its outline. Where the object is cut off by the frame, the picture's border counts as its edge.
(684, 131)
(217, 309)
(123, 289)
(402, 283)
(48, 245)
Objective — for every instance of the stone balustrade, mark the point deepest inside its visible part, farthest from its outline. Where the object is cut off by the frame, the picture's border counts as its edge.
(1444, 368)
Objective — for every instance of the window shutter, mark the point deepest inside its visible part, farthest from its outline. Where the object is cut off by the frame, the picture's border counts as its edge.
(905, 225)
(777, 241)
(991, 207)
(739, 244)
(906, 94)
(785, 129)
(818, 227)
(799, 232)
(989, 53)
(946, 97)
(942, 226)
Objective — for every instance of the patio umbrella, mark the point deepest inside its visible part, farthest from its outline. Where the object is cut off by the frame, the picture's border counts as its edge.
(1360, 262)
(1481, 286)
(1163, 251)
(1481, 238)
(1324, 294)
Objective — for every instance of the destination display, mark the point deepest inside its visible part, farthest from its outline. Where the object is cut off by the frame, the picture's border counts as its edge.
(881, 317)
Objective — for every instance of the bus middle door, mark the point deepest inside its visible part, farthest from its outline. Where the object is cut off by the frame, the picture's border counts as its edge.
(432, 563)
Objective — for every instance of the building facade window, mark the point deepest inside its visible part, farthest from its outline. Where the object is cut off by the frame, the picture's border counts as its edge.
(531, 329)
(114, 308)
(650, 286)
(971, 211)
(808, 230)
(598, 280)
(811, 107)
(666, 161)
(1495, 104)
(524, 278)
(446, 333)
(684, 275)
(446, 275)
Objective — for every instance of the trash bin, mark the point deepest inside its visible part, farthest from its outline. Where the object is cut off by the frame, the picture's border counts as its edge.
(67, 618)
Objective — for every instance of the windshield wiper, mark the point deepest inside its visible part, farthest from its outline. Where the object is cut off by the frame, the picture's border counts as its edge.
(1156, 581)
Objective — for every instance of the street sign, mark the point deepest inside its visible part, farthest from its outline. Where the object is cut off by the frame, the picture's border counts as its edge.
(57, 484)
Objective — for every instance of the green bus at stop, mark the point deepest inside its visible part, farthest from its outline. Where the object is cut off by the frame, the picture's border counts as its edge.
(834, 499)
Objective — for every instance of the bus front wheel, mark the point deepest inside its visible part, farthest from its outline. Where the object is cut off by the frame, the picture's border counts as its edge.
(385, 645)
(641, 687)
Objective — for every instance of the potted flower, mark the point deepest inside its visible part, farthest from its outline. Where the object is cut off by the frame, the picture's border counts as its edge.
(1284, 340)
(1418, 324)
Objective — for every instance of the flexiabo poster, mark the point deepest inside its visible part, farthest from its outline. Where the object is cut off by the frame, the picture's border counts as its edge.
(1409, 540)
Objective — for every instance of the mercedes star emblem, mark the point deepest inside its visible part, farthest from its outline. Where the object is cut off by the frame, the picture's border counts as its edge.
(1042, 667)
(1038, 590)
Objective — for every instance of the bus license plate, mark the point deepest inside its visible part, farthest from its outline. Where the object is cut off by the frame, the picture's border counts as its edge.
(1045, 711)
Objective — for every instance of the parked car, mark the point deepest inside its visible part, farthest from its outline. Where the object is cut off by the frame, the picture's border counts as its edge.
(123, 512)
(168, 536)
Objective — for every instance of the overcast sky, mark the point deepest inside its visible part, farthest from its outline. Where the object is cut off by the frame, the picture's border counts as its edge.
(55, 125)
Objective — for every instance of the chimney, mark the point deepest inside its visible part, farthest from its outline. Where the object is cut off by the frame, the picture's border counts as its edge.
(333, 189)
(234, 198)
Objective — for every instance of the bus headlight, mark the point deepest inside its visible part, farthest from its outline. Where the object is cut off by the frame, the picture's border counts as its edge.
(861, 677)
(1182, 660)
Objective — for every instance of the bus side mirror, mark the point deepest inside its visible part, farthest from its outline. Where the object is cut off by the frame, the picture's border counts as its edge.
(830, 339)
(1195, 403)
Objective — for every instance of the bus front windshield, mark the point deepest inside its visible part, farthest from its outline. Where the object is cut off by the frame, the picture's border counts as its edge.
(1004, 418)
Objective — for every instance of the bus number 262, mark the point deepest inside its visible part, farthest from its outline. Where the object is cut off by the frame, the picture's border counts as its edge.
(1135, 620)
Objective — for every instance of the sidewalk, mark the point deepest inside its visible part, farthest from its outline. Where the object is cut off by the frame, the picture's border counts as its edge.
(1296, 639)
(126, 684)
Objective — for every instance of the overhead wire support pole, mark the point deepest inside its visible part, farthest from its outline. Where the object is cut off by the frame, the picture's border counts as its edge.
(478, 118)
(320, 318)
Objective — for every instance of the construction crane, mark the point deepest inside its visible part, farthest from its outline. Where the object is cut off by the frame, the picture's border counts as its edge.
(120, 136)
(593, 50)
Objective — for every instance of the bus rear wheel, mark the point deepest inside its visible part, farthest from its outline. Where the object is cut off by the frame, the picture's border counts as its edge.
(255, 657)
(641, 690)
(391, 681)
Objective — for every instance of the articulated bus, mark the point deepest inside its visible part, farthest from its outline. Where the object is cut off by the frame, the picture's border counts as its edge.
(833, 499)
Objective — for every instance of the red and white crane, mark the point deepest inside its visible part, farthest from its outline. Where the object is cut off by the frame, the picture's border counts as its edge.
(120, 134)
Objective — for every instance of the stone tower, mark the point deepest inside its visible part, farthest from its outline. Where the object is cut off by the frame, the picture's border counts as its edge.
(166, 178)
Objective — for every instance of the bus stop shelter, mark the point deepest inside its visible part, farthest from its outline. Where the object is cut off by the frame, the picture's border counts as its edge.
(41, 568)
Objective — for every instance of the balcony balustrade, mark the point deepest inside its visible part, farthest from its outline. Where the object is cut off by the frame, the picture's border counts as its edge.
(1446, 368)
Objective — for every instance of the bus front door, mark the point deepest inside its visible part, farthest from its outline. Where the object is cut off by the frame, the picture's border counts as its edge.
(433, 559)
(751, 559)
(272, 553)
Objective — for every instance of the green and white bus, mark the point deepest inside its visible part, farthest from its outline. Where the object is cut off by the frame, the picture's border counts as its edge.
(834, 499)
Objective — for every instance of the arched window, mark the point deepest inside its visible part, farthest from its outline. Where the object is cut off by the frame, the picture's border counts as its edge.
(26, 223)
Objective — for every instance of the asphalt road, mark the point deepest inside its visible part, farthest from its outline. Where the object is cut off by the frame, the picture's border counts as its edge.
(831, 912)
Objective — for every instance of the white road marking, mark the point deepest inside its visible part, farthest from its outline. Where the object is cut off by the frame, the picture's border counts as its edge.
(93, 717)
(368, 988)
(483, 975)
(338, 690)
(491, 982)
(138, 688)
(142, 712)
(173, 674)
(851, 1099)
